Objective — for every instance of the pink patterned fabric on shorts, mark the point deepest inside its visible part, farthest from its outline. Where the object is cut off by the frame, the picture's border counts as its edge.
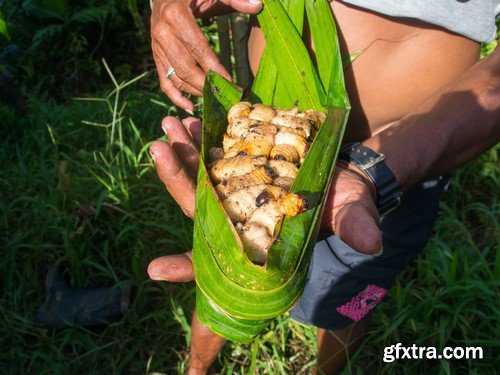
(363, 303)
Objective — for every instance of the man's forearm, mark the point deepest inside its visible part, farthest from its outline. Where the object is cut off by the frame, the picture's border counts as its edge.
(456, 124)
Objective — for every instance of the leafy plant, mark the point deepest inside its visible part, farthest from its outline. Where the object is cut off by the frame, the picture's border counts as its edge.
(3, 28)
(62, 41)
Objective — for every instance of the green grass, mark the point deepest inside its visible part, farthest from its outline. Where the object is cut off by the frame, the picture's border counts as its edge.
(70, 196)
(78, 189)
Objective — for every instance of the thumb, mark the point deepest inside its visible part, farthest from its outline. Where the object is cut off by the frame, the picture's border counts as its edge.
(245, 6)
(357, 225)
(173, 268)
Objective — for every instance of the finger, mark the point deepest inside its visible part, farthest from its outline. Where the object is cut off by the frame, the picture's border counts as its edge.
(170, 90)
(174, 94)
(193, 126)
(168, 87)
(245, 6)
(194, 41)
(184, 86)
(228, 6)
(183, 145)
(174, 78)
(357, 225)
(173, 268)
(174, 176)
(185, 64)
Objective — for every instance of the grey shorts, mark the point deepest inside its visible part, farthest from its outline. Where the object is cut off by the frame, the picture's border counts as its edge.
(343, 286)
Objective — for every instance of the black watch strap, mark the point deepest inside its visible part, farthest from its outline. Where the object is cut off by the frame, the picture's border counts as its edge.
(388, 193)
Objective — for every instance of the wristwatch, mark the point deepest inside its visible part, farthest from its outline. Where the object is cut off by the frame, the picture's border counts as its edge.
(388, 193)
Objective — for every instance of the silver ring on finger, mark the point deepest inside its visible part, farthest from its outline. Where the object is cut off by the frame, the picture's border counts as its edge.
(170, 72)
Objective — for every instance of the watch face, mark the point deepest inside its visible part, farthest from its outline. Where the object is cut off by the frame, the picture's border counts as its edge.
(363, 156)
(388, 193)
(370, 161)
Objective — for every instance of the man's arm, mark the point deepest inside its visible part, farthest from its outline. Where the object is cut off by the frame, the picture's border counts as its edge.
(459, 122)
(453, 126)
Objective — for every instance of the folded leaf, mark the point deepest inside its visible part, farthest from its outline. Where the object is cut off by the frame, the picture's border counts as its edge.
(236, 298)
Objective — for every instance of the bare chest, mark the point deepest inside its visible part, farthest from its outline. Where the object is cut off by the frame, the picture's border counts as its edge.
(399, 64)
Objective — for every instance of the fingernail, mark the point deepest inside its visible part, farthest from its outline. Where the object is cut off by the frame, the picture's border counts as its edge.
(189, 111)
(155, 276)
(164, 128)
(255, 2)
(379, 252)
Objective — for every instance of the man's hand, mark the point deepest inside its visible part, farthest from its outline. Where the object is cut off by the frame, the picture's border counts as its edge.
(177, 166)
(177, 162)
(350, 210)
(178, 42)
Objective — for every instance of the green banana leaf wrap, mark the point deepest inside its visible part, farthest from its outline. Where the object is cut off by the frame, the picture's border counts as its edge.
(236, 298)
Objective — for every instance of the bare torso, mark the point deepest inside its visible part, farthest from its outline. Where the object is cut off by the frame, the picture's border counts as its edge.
(401, 63)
